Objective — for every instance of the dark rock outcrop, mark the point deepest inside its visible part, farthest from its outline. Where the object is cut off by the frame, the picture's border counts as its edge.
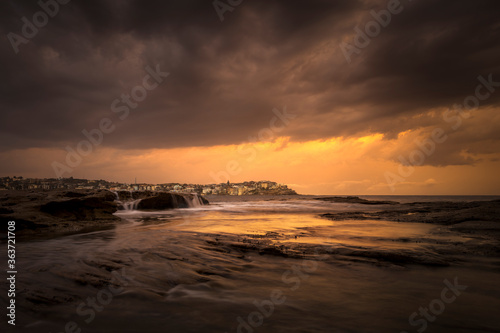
(166, 200)
(356, 200)
(133, 195)
(4, 210)
(60, 212)
(49, 213)
(163, 201)
(149, 200)
(444, 213)
(90, 208)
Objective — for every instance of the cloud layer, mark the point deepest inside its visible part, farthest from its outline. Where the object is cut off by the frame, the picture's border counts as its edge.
(226, 77)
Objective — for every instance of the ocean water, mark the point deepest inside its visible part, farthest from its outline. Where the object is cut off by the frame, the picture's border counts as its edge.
(260, 264)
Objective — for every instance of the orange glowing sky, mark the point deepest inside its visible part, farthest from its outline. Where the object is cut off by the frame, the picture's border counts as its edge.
(360, 165)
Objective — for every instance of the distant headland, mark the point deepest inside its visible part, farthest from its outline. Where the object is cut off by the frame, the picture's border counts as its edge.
(228, 188)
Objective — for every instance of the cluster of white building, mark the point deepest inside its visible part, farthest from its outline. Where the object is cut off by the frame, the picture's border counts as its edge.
(245, 188)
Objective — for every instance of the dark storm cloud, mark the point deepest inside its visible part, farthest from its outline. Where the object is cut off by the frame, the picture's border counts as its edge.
(226, 77)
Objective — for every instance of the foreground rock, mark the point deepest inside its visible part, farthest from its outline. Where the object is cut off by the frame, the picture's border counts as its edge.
(46, 213)
(58, 212)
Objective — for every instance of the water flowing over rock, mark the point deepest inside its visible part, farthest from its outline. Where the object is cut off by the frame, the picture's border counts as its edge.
(49, 213)
(148, 200)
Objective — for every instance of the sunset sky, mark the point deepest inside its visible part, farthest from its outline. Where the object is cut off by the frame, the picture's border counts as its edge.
(286, 91)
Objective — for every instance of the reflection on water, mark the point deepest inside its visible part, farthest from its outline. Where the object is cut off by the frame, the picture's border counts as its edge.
(210, 269)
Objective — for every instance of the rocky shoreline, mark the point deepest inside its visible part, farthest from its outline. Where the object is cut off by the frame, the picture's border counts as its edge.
(445, 213)
(466, 230)
(42, 214)
(356, 200)
(477, 219)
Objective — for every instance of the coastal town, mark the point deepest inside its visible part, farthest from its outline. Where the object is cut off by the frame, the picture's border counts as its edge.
(245, 188)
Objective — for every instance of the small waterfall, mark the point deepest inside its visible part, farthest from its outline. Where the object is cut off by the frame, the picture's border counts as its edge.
(117, 200)
(130, 200)
(194, 200)
(131, 205)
